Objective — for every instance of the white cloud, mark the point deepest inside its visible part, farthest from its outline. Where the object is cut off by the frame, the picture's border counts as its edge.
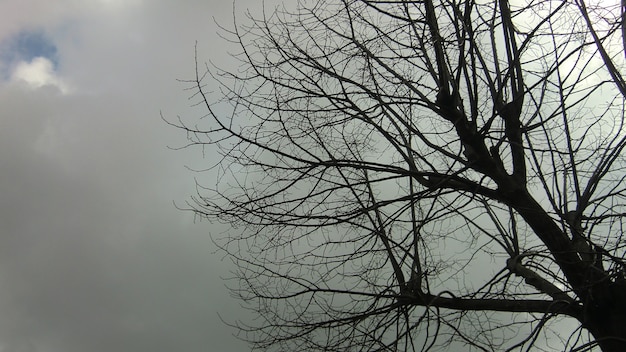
(38, 73)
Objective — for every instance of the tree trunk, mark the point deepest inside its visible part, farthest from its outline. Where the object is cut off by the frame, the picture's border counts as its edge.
(605, 315)
(602, 293)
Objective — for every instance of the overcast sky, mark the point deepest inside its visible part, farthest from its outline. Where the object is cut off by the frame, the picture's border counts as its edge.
(93, 254)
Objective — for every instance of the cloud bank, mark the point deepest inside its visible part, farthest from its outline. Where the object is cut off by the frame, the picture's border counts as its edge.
(93, 254)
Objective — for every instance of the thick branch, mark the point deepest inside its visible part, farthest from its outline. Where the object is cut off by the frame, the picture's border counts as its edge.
(498, 305)
(532, 278)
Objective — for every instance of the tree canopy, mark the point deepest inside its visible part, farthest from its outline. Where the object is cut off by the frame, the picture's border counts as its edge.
(415, 175)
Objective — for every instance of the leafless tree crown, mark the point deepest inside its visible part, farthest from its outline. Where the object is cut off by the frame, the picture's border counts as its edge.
(422, 175)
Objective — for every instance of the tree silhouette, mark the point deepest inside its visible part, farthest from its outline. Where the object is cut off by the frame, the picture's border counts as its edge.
(415, 175)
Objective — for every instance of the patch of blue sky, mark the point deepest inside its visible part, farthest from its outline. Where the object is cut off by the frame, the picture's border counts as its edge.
(26, 46)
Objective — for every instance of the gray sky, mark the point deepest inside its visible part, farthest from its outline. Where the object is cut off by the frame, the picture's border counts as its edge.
(93, 254)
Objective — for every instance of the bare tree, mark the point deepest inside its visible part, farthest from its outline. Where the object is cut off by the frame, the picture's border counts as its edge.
(415, 175)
